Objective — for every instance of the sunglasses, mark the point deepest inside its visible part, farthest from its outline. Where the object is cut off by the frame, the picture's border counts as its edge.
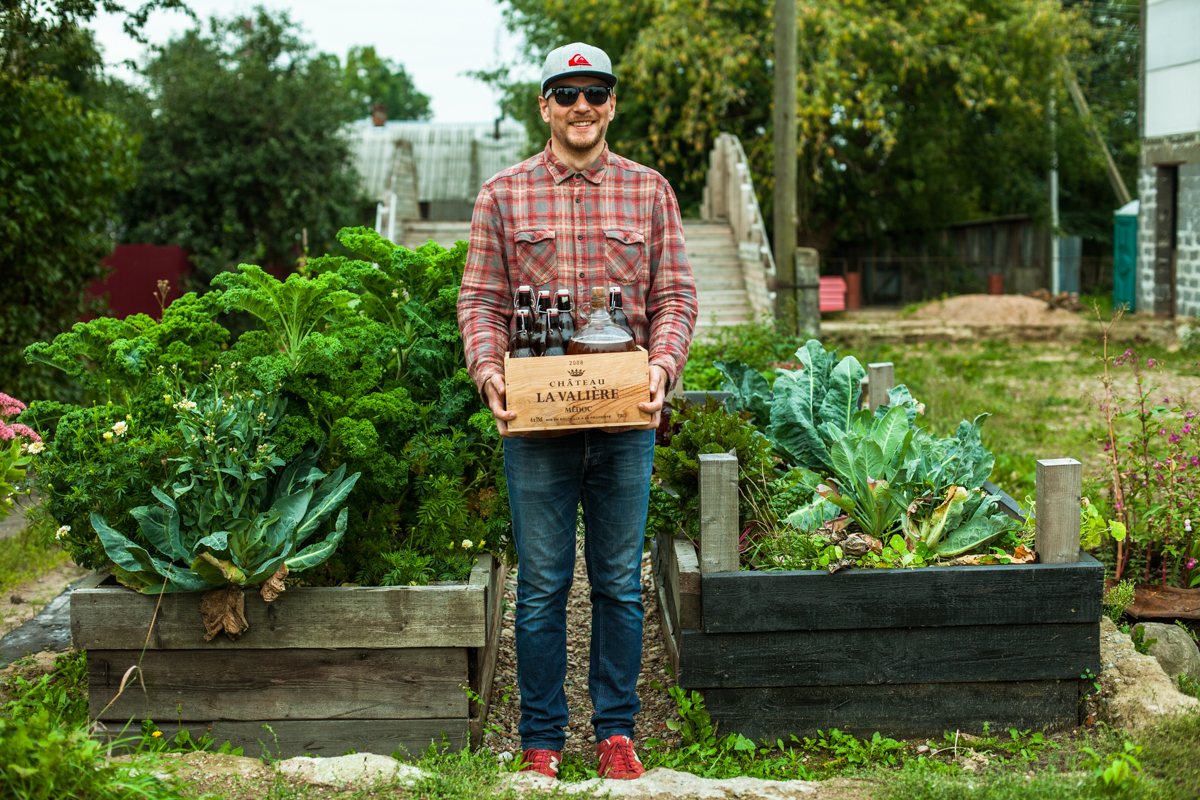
(568, 95)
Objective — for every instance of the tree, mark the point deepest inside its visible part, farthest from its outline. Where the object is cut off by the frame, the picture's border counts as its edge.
(371, 79)
(913, 114)
(243, 147)
(61, 171)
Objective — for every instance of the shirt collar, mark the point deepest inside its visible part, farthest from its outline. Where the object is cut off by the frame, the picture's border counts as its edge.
(560, 171)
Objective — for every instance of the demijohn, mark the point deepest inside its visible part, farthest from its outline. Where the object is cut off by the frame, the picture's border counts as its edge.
(600, 335)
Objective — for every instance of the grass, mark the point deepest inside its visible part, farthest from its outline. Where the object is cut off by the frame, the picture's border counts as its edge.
(28, 555)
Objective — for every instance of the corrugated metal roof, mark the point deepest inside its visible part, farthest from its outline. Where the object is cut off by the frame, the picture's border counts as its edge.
(452, 159)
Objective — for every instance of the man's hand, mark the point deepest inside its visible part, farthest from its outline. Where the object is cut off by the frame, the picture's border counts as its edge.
(494, 389)
(658, 391)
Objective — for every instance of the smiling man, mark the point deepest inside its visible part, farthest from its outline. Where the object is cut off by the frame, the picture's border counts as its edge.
(573, 217)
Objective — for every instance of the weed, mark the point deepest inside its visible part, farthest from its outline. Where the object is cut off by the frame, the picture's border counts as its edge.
(1117, 599)
(1140, 642)
(1189, 685)
(1116, 771)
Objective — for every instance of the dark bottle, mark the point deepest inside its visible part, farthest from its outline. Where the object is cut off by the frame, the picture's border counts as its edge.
(525, 298)
(563, 301)
(540, 324)
(554, 337)
(616, 307)
(521, 345)
(600, 335)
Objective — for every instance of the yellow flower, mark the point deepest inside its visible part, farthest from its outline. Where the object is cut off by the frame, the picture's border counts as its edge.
(108, 435)
(156, 734)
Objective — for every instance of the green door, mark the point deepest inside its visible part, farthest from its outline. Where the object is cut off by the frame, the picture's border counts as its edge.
(1125, 262)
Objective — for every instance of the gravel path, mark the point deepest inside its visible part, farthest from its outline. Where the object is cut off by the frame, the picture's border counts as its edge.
(657, 706)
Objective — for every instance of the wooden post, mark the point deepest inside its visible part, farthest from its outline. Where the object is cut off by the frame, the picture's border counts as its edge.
(808, 293)
(1058, 491)
(718, 513)
(880, 377)
(785, 144)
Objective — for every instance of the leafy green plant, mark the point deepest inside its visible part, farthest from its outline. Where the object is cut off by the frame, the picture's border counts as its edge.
(1140, 643)
(1116, 771)
(963, 521)
(1117, 599)
(1189, 685)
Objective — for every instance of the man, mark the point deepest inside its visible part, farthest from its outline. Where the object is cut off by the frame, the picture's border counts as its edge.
(573, 217)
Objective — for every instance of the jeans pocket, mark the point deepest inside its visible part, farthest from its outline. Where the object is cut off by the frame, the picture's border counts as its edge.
(625, 255)
(537, 256)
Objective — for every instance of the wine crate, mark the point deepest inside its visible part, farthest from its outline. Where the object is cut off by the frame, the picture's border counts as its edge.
(569, 392)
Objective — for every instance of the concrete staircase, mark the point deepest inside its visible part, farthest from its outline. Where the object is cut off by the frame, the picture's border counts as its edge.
(711, 249)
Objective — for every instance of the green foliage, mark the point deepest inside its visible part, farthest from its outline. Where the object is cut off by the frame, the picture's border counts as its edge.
(705, 429)
(1117, 599)
(61, 693)
(1116, 771)
(243, 146)
(12, 471)
(62, 169)
(371, 79)
(1140, 642)
(222, 525)
(1189, 685)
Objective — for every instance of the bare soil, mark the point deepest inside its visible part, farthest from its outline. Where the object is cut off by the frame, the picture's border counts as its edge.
(997, 309)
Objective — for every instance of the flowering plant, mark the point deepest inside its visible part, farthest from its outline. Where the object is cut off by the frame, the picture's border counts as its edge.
(1154, 476)
(17, 454)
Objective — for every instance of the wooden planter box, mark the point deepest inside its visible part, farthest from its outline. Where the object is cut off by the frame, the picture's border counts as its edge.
(330, 670)
(904, 652)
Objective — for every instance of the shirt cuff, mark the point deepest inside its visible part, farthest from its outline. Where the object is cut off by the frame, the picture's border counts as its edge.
(668, 365)
(486, 371)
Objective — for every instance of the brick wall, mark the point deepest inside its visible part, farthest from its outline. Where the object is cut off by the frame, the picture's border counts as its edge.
(1187, 242)
(1145, 239)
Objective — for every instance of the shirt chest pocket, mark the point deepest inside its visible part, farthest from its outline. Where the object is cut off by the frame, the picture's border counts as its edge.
(537, 256)
(624, 255)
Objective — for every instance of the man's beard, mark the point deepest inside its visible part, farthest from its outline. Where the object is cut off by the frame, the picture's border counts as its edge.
(599, 129)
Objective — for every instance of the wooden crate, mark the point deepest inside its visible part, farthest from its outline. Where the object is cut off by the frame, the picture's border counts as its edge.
(569, 392)
(369, 669)
(902, 652)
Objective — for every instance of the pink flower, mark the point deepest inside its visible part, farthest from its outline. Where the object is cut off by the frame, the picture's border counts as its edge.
(10, 406)
(7, 432)
(1191, 564)
(1174, 438)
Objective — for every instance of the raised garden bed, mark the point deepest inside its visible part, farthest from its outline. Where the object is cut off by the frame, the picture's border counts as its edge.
(367, 669)
(907, 652)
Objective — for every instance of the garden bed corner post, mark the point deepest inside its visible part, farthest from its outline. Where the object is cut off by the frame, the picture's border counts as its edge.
(1058, 492)
(718, 513)
(881, 379)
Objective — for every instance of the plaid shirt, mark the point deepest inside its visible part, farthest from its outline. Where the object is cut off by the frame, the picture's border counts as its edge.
(616, 223)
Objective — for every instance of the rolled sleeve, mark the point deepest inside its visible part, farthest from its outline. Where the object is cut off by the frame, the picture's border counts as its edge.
(484, 305)
(672, 304)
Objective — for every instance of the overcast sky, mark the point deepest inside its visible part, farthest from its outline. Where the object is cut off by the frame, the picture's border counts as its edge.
(436, 41)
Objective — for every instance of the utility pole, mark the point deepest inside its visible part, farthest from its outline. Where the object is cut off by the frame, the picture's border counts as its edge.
(785, 160)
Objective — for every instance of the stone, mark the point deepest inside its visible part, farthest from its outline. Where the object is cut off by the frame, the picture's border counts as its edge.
(1175, 650)
(1134, 691)
(192, 766)
(660, 783)
(361, 768)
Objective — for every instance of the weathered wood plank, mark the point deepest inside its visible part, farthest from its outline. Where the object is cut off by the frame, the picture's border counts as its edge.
(663, 580)
(1059, 490)
(669, 635)
(410, 683)
(897, 710)
(685, 578)
(1009, 594)
(116, 618)
(334, 737)
(881, 377)
(718, 512)
(491, 650)
(888, 655)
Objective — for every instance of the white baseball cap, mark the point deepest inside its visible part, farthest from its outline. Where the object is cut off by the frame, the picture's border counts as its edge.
(577, 59)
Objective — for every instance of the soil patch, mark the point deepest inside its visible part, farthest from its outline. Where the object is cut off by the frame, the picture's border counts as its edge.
(995, 309)
(27, 600)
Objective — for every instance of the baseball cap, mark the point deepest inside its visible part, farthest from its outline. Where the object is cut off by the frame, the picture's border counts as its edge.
(577, 59)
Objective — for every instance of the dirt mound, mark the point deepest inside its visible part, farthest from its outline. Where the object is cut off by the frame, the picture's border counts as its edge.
(995, 309)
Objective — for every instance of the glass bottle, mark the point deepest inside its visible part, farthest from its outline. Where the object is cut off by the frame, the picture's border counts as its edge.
(563, 301)
(540, 324)
(616, 307)
(525, 298)
(554, 337)
(600, 335)
(521, 344)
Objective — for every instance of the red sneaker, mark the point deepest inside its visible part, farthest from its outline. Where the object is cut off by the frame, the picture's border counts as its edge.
(543, 761)
(618, 759)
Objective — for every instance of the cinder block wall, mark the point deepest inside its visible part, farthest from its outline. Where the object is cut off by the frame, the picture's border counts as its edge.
(1187, 242)
(1147, 194)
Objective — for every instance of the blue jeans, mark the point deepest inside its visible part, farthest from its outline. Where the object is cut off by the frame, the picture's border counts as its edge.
(548, 479)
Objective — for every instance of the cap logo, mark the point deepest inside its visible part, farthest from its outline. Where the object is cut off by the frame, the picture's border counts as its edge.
(578, 60)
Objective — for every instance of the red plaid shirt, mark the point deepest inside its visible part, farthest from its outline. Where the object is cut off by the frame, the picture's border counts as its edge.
(616, 223)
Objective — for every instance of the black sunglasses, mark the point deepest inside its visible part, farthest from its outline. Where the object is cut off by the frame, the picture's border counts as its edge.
(567, 95)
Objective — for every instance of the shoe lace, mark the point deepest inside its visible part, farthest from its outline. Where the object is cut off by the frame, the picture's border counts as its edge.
(537, 759)
(621, 756)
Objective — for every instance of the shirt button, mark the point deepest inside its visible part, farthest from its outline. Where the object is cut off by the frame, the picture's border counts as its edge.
(581, 274)
(578, 199)
(580, 237)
